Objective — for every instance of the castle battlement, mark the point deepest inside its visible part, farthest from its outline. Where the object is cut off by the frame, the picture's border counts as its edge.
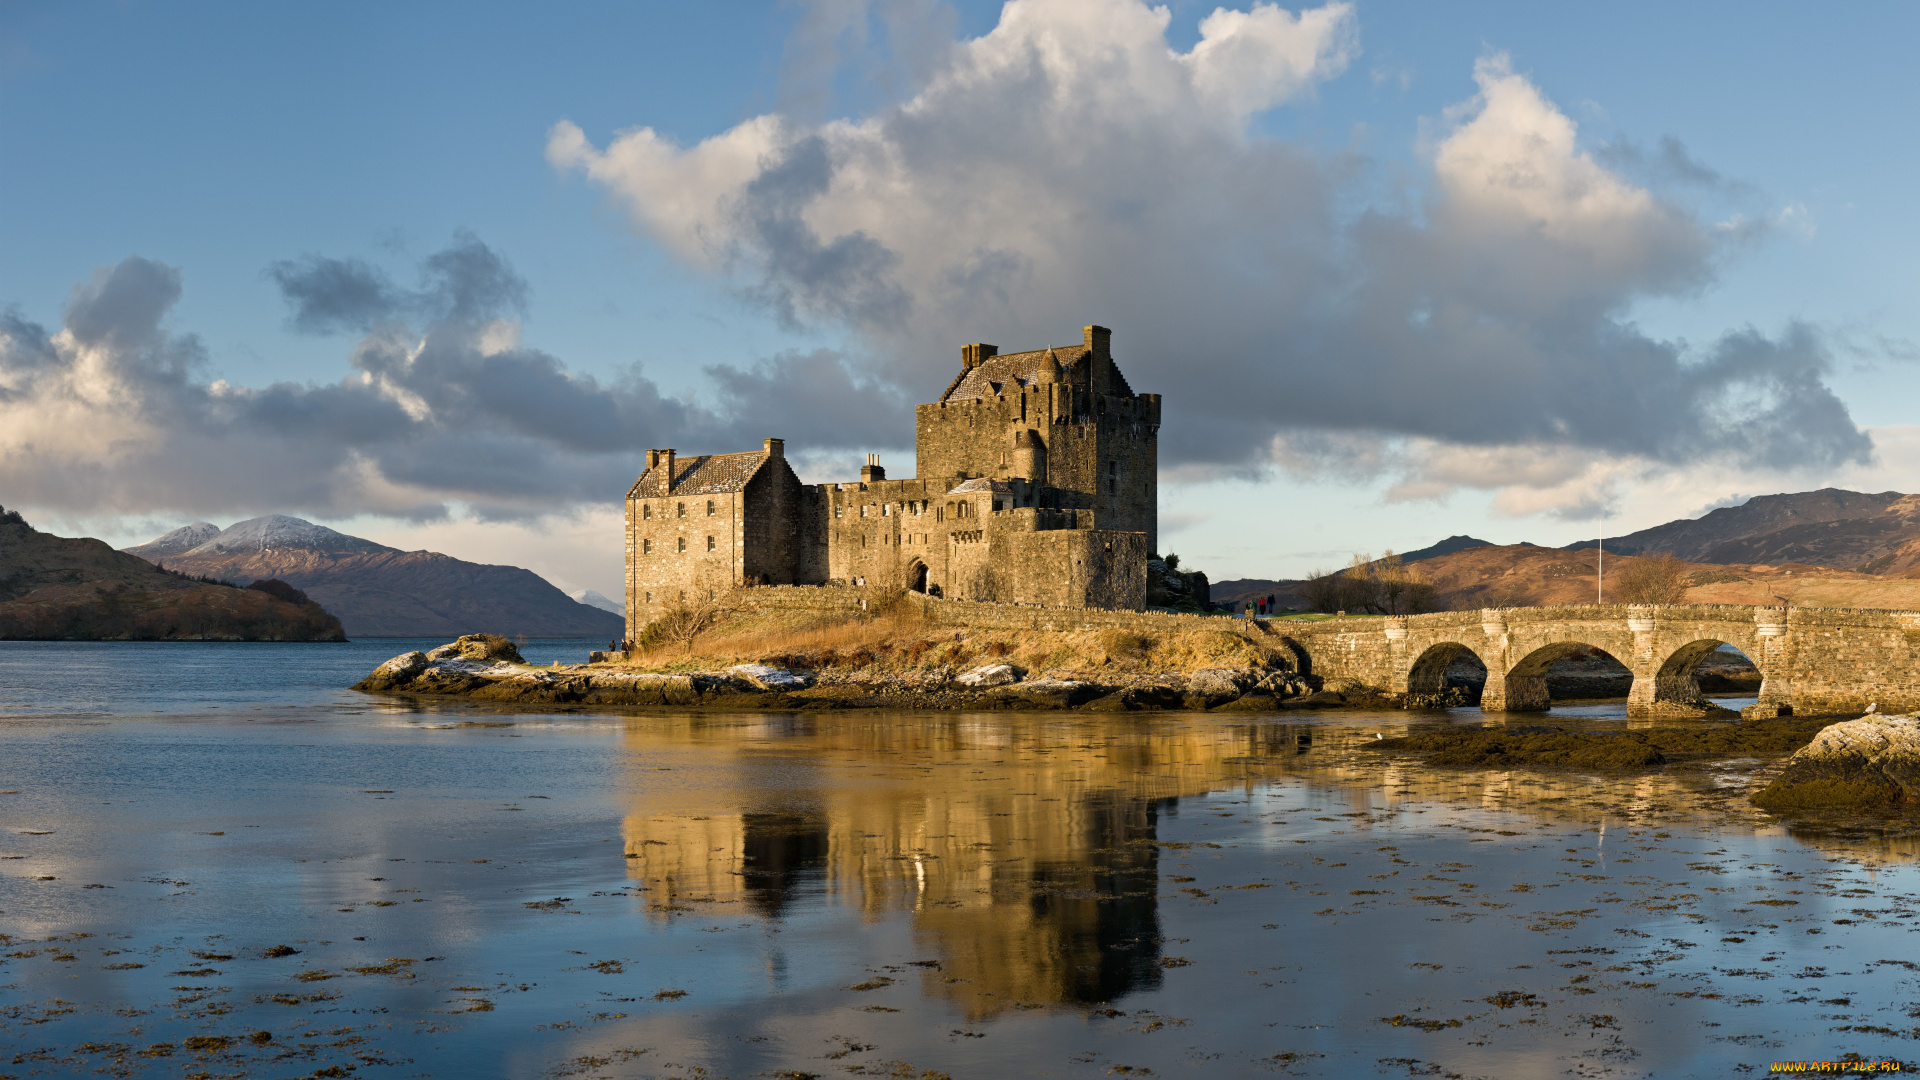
(1037, 483)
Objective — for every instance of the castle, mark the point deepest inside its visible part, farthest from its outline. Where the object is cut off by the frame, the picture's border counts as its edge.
(1037, 484)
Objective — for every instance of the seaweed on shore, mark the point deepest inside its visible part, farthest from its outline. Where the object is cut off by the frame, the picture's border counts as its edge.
(1553, 747)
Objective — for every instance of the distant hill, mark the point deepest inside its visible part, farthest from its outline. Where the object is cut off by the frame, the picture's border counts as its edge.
(380, 591)
(591, 598)
(1521, 575)
(60, 588)
(1445, 547)
(1286, 592)
(1847, 530)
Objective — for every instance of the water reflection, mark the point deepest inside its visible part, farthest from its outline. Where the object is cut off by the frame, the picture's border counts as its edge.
(1027, 851)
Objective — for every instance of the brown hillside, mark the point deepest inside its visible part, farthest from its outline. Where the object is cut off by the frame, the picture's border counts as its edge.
(1519, 575)
(56, 588)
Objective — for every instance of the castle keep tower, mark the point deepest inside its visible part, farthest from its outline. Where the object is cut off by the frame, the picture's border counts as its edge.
(1063, 419)
(1038, 484)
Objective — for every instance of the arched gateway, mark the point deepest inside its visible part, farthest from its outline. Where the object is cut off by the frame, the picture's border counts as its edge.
(1809, 658)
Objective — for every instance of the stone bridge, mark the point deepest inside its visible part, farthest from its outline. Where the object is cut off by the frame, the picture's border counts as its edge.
(1813, 660)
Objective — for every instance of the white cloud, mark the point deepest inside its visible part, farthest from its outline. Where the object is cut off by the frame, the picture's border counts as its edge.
(1069, 166)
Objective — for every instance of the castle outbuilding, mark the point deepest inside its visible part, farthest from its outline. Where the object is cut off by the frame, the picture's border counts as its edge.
(1037, 484)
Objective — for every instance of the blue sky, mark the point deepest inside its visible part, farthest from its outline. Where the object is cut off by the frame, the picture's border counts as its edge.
(221, 141)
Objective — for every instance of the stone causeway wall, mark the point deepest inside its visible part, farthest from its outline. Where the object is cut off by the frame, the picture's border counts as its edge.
(985, 615)
(1820, 660)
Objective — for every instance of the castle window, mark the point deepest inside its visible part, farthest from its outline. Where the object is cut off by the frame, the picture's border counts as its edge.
(646, 547)
(649, 598)
(709, 507)
(646, 513)
(1113, 486)
(863, 509)
(838, 510)
(683, 543)
(886, 509)
(709, 543)
(1113, 468)
(679, 509)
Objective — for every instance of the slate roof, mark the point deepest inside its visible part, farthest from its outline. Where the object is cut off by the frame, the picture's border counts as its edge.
(707, 474)
(1011, 372)
(981, 483)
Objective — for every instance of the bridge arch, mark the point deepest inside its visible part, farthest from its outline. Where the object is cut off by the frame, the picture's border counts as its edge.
(1428, 672)
(1675, 686)
(1523, 687)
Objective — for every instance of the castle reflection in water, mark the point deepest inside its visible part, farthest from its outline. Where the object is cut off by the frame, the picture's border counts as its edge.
(1027, 850)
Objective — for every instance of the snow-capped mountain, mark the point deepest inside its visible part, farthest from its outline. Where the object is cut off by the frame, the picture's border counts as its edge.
(185, 538)
(278, 532)
(379, 591)
(594, 599)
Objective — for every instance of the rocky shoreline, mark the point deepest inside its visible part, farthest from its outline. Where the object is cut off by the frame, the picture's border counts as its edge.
(484, 667)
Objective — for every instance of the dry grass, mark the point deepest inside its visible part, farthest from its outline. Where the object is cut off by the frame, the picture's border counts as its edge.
(903, 641)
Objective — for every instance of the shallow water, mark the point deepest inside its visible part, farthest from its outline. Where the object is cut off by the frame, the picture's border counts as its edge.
(477, 893)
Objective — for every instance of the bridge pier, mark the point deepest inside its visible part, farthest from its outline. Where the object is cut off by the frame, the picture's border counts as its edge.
(1507, 692)
(1773, 660)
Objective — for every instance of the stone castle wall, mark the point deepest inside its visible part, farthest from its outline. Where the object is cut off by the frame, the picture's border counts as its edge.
(713, 529)
(1069, 514)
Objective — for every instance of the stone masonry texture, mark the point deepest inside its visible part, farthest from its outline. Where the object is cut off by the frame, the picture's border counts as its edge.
(1037, 485)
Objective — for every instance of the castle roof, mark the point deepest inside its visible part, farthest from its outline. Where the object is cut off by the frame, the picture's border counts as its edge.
(981, 483)
(707, 474)
(1012, 372)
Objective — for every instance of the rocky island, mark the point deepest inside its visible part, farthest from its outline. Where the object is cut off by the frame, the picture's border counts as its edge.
(885, 668)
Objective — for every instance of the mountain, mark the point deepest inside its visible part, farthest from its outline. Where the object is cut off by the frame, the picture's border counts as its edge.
(594, 599)
(1445, 547)
(1848, 530)
(59, 588)
(1286, 593)
(379, 591)
(177, 541)
(1520, 575)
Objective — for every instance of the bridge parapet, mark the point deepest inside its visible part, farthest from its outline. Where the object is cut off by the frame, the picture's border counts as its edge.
(1810, 659)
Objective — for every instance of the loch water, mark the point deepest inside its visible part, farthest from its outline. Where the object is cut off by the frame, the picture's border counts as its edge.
(216, 861)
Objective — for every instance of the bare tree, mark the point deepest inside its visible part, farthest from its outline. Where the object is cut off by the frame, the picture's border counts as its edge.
(683, 623)
(1393, 588)
(1657, 578)
(1383, 586)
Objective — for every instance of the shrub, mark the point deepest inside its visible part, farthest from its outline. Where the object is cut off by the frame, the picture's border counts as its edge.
(1125, 645)
(280, 590)
(1658, 578)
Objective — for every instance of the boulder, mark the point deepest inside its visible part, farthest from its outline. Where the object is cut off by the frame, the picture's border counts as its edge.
(1252, 701)
(1045, 693)
(488, 647)
(764, 677)
(990, 675)
(1219, 682)
(1865, 764)
(1135, 699)
(395, 673)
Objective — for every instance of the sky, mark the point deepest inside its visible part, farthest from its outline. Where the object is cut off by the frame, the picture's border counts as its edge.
(437, 274)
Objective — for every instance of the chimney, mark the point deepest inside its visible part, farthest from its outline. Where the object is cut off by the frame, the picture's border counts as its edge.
(872, 471)
(972, 356)
(1098, 339)
(776, 448)
(653, 458)
(666, 463)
